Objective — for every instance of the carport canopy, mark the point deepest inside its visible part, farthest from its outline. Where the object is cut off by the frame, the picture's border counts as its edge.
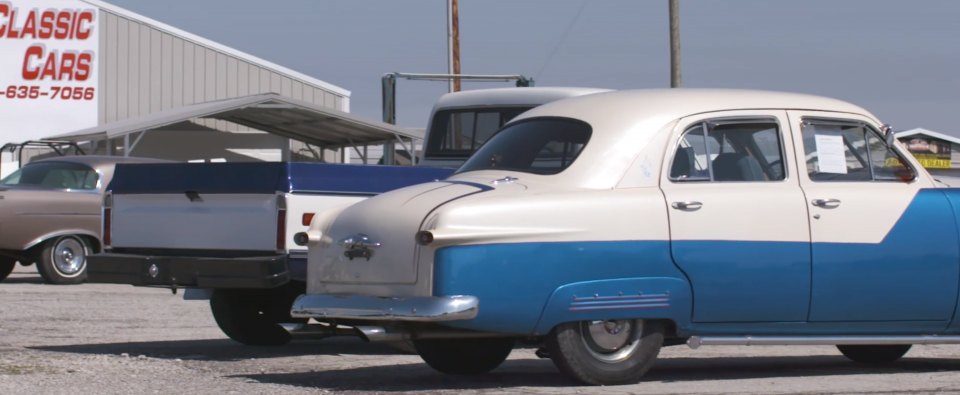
(268, 112)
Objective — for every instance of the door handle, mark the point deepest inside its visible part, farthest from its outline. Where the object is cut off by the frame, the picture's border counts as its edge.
(687, 206)
(826, 203)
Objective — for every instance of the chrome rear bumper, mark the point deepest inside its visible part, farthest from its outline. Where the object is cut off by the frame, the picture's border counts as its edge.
(359, 307)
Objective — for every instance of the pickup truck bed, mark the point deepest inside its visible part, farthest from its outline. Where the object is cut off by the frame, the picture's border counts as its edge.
(226, 225)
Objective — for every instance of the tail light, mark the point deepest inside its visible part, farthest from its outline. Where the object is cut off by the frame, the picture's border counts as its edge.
(306, 219)
(107, 219)
(281, 229)
(281, 223)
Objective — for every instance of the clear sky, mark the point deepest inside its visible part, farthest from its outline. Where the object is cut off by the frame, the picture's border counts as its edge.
(899, 59)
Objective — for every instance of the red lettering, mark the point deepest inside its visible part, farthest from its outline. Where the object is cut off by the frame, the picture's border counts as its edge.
(12, 32)
(84, 25)
(67, 62)
(46, 24)
(5, 10)
(58, 24)
(30, 25)
(73, 25)
(62, 29)
(84, 65)
(50, 67)
(31, 72)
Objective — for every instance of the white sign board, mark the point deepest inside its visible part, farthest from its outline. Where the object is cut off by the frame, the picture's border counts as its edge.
(831, 155)
(48, 68)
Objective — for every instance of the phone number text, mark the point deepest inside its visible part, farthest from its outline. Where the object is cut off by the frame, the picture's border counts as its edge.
(52, 93)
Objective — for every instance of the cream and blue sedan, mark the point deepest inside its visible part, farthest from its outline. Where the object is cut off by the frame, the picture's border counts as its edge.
(606, 226)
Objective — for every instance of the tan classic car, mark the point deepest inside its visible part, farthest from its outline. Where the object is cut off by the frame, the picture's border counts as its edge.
(50, 214)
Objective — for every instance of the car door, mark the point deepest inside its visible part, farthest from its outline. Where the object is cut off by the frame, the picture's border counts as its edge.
(738, 221)
(884, 240)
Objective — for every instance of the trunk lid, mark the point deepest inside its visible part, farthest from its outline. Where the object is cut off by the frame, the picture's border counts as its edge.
(374, 241)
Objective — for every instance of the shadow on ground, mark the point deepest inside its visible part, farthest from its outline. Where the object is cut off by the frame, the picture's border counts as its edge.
(528, 372)
(542, 373)
(420, 377)
(24, 278)
(228, 350)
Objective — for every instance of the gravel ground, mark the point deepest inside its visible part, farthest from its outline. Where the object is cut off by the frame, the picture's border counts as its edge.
(111, 339)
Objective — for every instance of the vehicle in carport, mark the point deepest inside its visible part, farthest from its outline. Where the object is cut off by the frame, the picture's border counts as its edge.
(50, 214)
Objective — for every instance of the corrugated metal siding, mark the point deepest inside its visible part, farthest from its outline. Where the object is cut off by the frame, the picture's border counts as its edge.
(145, 70)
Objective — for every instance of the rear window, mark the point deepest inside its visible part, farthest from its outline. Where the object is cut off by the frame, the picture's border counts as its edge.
(537, 145)
(458, 133)
(55, 175)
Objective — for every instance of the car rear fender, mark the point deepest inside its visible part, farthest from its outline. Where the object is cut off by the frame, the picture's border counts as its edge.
(628, 298)
(95, 238)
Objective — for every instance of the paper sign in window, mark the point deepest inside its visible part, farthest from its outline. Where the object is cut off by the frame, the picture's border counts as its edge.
(831, 157)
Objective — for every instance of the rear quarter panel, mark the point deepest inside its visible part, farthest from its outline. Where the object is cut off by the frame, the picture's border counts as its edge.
(603, 254)
(27, 216)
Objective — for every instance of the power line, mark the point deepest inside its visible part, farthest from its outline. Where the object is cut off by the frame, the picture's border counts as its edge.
(563, 37)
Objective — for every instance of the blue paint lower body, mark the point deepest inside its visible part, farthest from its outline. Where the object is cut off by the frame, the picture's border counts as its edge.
(907, 284)
(911, 275)
(517, 282)
(741, 281)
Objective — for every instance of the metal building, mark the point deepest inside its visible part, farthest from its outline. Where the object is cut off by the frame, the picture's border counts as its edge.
(108, 64)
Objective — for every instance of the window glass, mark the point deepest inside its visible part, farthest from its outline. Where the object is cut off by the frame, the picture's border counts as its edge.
(690, 160)
(886, 163)
(729, 151)
(538, 145)
(55, 175)
(487, 124)
(836, 151)
(457, 133)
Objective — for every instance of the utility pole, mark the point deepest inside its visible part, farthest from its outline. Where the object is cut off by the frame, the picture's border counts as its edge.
(453, 43)
(674, 43)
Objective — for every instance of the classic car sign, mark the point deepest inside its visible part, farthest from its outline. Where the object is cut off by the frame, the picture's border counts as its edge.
(48, 60)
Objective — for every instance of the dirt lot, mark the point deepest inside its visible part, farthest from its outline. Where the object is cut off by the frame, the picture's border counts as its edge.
(121, 339)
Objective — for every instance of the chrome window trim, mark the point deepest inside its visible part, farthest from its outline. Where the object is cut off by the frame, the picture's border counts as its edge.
(709, 123)
(808, 120)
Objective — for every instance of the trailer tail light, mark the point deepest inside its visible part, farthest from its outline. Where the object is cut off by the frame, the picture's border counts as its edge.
(105, 233)
(307, 219)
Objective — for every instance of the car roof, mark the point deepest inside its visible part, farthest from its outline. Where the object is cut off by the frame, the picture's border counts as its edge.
(623, 123)
(635, 105)
(532, 96)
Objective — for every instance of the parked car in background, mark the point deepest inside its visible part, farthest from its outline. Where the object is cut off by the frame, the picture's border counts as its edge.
(605, 226)
(50, 214)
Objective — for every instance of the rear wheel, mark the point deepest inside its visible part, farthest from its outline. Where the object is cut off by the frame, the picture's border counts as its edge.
(253, 316)
(606, 352)
(64, 260)
(874, 354)
(6, 266)
(464, 356)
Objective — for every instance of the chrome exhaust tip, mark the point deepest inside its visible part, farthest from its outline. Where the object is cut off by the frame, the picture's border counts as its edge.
(377, 334)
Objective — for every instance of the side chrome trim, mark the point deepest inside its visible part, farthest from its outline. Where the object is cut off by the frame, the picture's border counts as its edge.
(697, 341)
(359, 307)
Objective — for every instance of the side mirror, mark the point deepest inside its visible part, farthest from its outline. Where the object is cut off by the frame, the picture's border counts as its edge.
(888, 135)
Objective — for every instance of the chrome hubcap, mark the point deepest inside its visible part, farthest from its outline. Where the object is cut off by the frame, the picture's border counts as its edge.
(69, 256)
(611, 341)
